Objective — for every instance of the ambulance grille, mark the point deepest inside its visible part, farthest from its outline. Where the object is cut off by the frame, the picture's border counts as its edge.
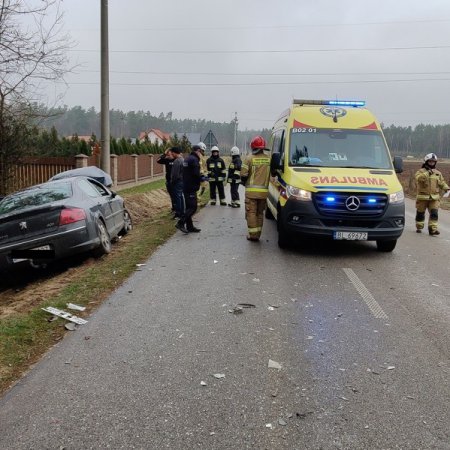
(350, 204)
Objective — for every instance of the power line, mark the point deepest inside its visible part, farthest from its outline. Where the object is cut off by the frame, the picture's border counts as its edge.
(277, 27)
(293, 83)
(138, 72)
(318, 50)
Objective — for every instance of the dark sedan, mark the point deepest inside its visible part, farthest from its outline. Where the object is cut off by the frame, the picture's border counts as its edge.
(57, 219)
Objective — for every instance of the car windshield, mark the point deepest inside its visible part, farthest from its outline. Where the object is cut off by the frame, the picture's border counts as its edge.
(338, 148)
(36, 196)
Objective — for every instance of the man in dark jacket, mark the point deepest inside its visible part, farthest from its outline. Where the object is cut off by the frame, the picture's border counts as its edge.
(176, 181)
(167, 160)
(191, 184)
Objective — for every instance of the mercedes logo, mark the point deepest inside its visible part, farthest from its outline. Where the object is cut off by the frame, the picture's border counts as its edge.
(352, 203)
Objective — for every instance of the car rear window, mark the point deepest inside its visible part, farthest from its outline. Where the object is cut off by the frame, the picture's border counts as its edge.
(37, 196)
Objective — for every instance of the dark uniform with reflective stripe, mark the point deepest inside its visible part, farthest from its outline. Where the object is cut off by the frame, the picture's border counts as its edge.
(255, 174)
(217, 174)
(429, 184)
(234, 178)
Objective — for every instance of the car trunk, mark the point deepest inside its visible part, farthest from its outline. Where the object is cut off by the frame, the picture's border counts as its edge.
(30, 223)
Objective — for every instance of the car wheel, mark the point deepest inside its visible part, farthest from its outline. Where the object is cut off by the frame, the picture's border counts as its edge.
(284, 240)
(386, 246)
(105, 239)
(127, 223)
(269, 214)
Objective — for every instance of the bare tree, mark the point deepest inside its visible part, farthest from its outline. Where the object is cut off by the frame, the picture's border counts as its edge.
(33, 50)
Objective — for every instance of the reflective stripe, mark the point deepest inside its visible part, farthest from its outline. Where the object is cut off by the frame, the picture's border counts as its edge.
(254, 230)
(237, 172)
(257, 189)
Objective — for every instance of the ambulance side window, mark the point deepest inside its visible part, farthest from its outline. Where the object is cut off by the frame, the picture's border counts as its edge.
(282, 142)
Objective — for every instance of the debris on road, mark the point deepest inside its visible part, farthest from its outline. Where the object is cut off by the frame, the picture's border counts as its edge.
(64, 315)
(274, 365)
(246, 305)
(256, 280)
(269, 425)
(282, 422)
(203, 383)
(215, 261)
(70, 326)
(271, 308)
(391, 368)
(236, 310)
(76, 307)
(219, 375)
(141, 265)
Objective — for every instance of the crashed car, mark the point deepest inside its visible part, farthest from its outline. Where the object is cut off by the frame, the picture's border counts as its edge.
(90, 171)
(57, 219)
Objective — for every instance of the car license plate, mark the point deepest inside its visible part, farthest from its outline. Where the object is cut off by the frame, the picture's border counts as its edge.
(43, 247)
(350, 236)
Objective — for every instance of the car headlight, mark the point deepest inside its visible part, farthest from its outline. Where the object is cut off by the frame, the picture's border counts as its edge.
(299, 194)
(397, 197)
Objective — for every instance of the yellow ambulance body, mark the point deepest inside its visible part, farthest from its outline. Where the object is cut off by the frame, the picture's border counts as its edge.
(333, 175)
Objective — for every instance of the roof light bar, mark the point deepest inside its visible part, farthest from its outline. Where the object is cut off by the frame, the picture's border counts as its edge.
(330, 102)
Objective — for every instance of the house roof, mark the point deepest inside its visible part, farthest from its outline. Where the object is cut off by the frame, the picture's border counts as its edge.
(163, 136)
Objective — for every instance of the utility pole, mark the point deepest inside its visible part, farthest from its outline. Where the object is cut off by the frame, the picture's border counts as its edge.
(104, 89)
(235, 128)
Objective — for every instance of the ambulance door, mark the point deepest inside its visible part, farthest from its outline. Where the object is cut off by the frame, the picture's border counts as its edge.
(275, 184)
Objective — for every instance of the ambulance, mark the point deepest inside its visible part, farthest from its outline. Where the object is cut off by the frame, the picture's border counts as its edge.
(332, 175)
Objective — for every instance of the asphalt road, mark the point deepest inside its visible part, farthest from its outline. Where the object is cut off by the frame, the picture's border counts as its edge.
(362, 338)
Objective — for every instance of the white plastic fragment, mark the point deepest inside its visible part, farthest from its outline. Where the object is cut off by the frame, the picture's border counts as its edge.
(269, 425)
(256, 280)
(203, 383)
(64, 315)
(274, 365)
(282, 422)
(70, 326)
(76, 307)
(219, 375)
(140, 265)
(215, 261)
(271, 308)
(391, 368)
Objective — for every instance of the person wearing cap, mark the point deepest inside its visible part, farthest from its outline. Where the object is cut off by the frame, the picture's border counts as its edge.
(217, 175)
(176, 181)
(430, 183)
(192, 178)
(166, 160)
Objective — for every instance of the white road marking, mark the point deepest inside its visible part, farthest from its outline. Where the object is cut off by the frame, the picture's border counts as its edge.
(373, 305)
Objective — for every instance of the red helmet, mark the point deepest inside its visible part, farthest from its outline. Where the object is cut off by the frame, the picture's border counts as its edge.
(258, 142)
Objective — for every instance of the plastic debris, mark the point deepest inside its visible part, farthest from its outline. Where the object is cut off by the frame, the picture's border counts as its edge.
(70, 326)
(203, 383)
(391, 368)
(282, 422)
(310, 337)
(256, 280)
(236, 310)
(269, 425)
(271, 308)
(76, 307)
(246, 305)
(274, 365)
(64, 315)
(219, 375)
(215, 261)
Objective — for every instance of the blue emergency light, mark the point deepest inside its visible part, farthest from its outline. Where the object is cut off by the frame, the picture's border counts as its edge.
(330, 199)
(330, 102)
(372, 200)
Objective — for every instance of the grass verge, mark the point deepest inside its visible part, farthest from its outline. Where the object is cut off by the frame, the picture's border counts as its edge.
(25, 338)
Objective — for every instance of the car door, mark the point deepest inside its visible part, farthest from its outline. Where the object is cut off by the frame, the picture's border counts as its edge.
(101, 200)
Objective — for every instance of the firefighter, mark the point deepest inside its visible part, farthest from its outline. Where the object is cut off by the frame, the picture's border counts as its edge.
(203, 170)
(429, 182)
(234, 177)
(217, 175)
(255, 174)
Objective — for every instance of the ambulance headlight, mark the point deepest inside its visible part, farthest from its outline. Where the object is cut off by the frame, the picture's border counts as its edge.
(298, 194)
(397, 197)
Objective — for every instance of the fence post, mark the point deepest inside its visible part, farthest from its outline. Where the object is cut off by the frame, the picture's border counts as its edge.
(152, 159)
(81, 161)
(115, 169)
(136, 168)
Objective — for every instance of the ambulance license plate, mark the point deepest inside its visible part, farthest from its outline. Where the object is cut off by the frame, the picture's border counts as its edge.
(350, 236)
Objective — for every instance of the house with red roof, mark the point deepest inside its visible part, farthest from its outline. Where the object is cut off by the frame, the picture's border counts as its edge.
(154, 135)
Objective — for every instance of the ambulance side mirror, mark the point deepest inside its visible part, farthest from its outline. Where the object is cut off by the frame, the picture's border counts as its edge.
(275, 163)
(398, 164)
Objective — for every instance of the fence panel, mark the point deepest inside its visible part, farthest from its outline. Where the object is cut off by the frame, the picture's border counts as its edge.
(144, 166)
(125, 170)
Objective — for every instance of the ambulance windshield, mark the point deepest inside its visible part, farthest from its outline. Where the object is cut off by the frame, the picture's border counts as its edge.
(338, 148)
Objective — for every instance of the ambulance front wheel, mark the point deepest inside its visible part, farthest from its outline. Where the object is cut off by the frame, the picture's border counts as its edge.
(284, 240)
(386, 246)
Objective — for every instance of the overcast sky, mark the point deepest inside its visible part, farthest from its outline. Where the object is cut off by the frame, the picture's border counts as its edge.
(208, 59)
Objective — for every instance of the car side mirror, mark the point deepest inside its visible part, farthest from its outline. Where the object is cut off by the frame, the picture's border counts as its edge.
(113, 194)
(398, 164)
(275, 163)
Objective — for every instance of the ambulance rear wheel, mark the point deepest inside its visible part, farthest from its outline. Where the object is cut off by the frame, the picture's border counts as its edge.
(269, 214)
(386, 246)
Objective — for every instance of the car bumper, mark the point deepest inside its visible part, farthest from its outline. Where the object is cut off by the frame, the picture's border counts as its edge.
(302, 218)
(72, 240)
